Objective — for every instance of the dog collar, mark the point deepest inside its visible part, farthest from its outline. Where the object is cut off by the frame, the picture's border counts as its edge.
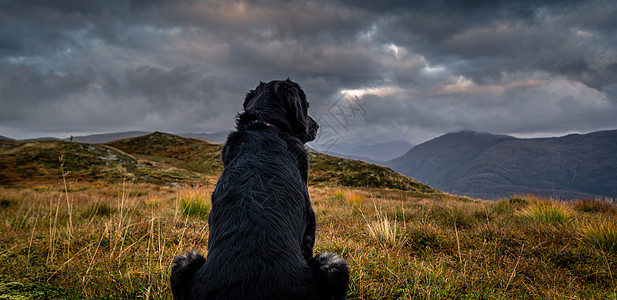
(262, 122)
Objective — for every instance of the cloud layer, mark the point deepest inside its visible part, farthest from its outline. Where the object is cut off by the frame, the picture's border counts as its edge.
(418, 68)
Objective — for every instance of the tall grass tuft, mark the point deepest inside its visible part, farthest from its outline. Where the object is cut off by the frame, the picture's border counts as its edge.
(547, 211)
(602, 235)
(595, 206)
(351, 197)
(384, 230)
(153, 202)
(339, 194)
(194, 202)
(354, 198)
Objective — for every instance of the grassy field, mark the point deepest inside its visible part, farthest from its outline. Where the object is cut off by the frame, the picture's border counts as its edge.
(91, 221)
(116, 241)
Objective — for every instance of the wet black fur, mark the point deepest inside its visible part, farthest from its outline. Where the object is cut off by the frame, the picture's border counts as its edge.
(262, 225)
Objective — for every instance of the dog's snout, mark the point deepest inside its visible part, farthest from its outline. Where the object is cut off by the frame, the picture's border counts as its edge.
(312, 129)
(312, 123)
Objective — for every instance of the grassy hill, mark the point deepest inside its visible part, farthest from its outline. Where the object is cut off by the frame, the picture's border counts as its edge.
(37, 162)
(203, 157)
(163, 158)
(190, 154)
(332, 171)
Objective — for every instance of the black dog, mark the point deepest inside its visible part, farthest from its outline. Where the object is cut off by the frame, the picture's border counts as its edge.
(262, 225)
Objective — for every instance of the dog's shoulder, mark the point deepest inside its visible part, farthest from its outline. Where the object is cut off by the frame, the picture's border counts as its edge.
(297, 150)
(236, 141)
(259, 143)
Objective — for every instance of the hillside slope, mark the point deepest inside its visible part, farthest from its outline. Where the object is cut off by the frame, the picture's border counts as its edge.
(191, 154)
(107, 137)
(32, 162)
(325, 170)
(492, 166)
(102, 138)
(329, 170)
(163, 158)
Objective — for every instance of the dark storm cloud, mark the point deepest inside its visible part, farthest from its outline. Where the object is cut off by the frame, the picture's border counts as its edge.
(182, 98)
(520, 110)
(420, 66)
(298, 20)
(511, 35)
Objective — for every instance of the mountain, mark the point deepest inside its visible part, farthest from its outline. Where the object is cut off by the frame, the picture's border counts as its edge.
(4, 138)
(490, 166)
(375, 153)
(45, 138)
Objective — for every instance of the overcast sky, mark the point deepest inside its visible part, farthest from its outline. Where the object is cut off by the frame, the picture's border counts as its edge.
(373, 71)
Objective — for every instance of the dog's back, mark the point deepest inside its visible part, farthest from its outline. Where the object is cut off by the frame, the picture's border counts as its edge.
(256, 236)
(261, 228)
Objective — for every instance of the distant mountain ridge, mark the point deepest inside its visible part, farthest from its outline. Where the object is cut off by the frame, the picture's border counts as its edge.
(491, 166)
(375, 153)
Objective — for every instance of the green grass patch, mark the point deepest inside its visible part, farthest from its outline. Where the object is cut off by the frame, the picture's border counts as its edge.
(547, 211)
(15, 290)
(602, 235)
(195, 203)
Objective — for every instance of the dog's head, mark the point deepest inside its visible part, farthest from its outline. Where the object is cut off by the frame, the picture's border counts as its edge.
(283, 104)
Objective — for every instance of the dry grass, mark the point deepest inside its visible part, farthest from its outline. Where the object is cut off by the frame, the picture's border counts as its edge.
(547, 211)
(385, 231)
(94, 245)
(595, 205)
(602, 234)
(117, 241)
(195, 202)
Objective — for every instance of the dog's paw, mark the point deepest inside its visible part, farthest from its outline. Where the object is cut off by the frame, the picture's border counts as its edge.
(332, 275)
(189, 262)
(182, 272)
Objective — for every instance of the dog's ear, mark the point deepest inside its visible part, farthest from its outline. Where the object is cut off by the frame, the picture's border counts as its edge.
(251, 94)
(296, 105)
(248, 98)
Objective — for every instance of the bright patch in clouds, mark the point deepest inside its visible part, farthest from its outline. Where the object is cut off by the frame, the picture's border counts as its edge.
(377, 91)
